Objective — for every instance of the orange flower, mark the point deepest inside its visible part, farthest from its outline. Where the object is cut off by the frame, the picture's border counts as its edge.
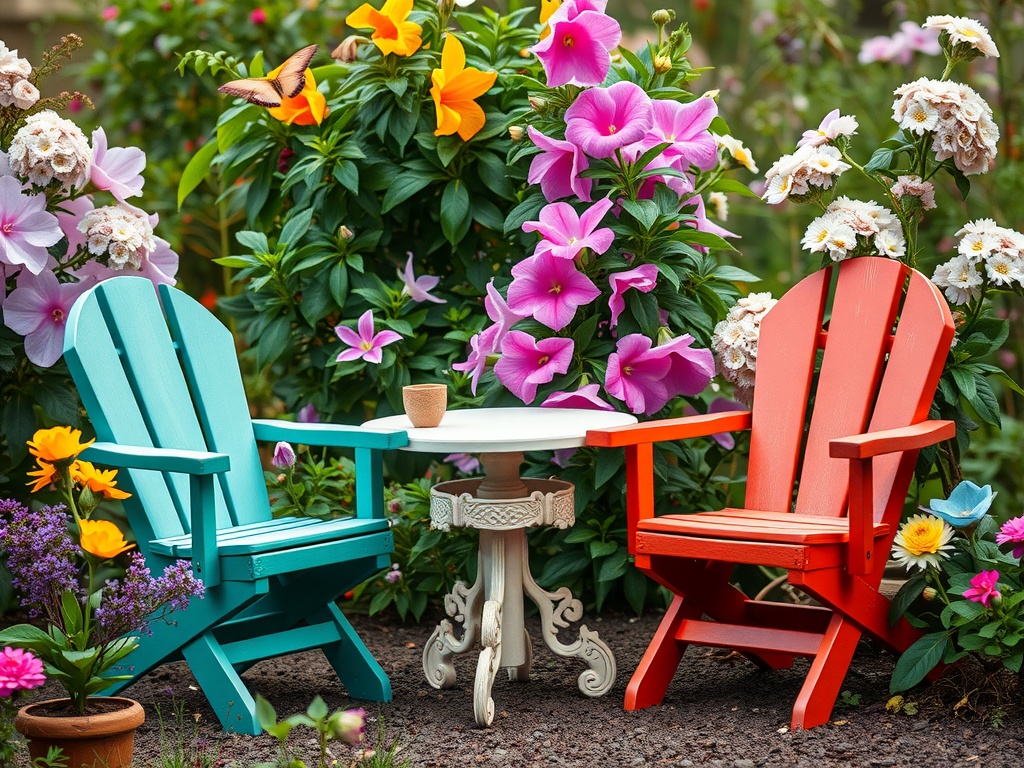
(547, 7)
(57, 444)
(102, 538)
(45, 475)
(97, 480)
(454, 90)
(308, 108)
(392, 33)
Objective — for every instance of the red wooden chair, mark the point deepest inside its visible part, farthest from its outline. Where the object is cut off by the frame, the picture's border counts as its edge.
(876, 364)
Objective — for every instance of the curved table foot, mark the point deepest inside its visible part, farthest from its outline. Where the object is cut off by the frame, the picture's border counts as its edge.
(462, 605)
(597, 680)
(487, 666)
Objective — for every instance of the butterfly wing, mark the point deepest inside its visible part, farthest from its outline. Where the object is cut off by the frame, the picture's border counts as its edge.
(292, 76)
(255, 90)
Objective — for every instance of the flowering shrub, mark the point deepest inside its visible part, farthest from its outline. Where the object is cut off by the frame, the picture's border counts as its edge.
(967, 592)
(348, 726)
(66, 225)
(943, 127)
(20, 671)
(55, 562)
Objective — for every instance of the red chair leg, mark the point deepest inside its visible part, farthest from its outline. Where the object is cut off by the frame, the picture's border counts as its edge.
(649, 683)
(825, 678)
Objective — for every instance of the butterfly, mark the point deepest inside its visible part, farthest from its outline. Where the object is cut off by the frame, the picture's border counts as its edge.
(268, 91)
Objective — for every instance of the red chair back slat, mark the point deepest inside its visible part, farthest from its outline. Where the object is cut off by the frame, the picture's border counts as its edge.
(782, 390)
(867, 297)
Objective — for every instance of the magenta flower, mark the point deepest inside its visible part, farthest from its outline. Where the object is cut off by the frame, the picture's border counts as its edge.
(480, 346)
(585, 397)
(635, 374)
(557, 169)
(602, 120)
(719, 405)
(983, 587)
(565, 233)
(26, 228)
(700, 220)
(118, 169)
(1013, 531)
(284, 455)
(550, 289)
(307, 415)
(690, 370)
(685, 126)
(643, 278)
(19, 671)
(258, 16)
(526, 363)
(578, 50)
(364, 345)
(419, 287)
(464, 462)
(498, 310)
(38, 309)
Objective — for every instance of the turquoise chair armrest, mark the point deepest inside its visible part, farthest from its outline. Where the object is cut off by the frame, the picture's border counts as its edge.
(328, 435)
(201, 466)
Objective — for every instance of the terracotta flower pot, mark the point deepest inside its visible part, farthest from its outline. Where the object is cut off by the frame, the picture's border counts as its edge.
(102, 740)
(425, 404)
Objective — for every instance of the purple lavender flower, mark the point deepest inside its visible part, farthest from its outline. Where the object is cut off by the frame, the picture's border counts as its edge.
(41, 556)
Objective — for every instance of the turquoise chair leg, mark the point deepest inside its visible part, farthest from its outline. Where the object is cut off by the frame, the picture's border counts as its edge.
(355, 666)
(231, 701)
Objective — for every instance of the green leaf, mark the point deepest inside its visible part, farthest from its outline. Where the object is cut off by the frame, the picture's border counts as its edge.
(880, 160)
(602, 548)
(917, 661)
(634, 585)
(580, 535)
(196, 170)
(273, 341)
(380, 601)
(317, 709)
(984, 402)
(405, 186)
(609, 461)
(964, 382)
(906, 595)
(731, 185)
(455, 218)
(296, 226)
(734, 274)
(644, 211)
(254, 241)
(967, 609)
(614, 566)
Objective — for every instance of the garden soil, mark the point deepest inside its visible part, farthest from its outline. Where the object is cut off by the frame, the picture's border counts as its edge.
(720, 711)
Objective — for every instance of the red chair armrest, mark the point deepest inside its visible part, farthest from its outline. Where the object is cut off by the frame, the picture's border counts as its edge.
(891, 440)
(669, 429)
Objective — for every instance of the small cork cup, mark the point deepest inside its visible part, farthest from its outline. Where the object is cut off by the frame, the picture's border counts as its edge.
(425, 404)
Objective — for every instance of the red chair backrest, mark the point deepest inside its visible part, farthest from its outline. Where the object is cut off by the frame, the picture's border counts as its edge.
(886, 341)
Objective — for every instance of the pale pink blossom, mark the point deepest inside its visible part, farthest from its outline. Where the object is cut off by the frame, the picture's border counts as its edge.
(38, 309)
(364, 345)
(117, 169)
(418, 288)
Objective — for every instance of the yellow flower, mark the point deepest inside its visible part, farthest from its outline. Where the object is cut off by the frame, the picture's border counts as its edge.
(922, 541)
(392, 33)
(97, 480)
(306, 108)
(547, 7)
(44, 476)
(102, 538)
(455, 87)
(57, 444)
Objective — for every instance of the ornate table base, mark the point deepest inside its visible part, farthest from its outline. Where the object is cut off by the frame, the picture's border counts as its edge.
(491, 610)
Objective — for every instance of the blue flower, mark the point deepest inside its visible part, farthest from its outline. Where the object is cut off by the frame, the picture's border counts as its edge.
(967, 504)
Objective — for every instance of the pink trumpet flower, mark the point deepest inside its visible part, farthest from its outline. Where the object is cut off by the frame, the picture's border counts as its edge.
(364, 345)
(585, 398)
(565, 233)
(418, 288)
(550, 289)
(602, 120)
(527, 363)
(578, 50)
(117, 169)
(558, 167)
(643, 278)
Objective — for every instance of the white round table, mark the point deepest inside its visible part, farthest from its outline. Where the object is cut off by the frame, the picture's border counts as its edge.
(502, 505)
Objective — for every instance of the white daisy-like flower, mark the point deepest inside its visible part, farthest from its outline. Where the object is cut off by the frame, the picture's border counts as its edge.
(119, 235)
(719, 204)
(983, 226)
(964, 30)
(733, 358)
(778, 189)
(977, 245)
(963, 281)
(891, 243)
(920, 118)
(1003, 269)
(47, 148)
(734, 342)
(841, 241)
(923, 541)
(818, 234)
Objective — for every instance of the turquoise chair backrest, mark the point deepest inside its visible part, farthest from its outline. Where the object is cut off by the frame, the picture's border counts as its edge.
(165, 378)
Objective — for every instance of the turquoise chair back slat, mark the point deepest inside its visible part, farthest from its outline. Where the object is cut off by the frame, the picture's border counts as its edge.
(208, 359)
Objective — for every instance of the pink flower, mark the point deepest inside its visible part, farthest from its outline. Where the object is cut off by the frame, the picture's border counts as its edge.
(643, 278)
(565, 233)
(69, 214)
(701, 222)
(558, 168)
(983, 587)
(38, 309)
(602, 120)
(685, 126)
(550, 289)
(719, 405)
(284, 455)
(19, 671)
(117, 169)
(578, 50)
(110, 13)
(635, 374)
(419, 287)
(26, 228)
(690, 369)
(1013, 531)
(527, 363)
(585, 397)
(912, 37)
(364, 345)
(480, 346)
(258, 16)
(464, 462)
(832, 126)
(498, 310)
(307, 415)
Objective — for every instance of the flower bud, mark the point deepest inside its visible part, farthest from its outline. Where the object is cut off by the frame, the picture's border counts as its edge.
(445, 8)
(662, 64)
(348, 48)
(929, 593)
(538, 103)
(284, 456)
(394, 575)
(345, 234)
(350, 725)
(712, 94)
(516, 132)
(663, 16)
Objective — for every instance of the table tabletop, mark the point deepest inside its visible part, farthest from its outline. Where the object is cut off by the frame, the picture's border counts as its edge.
(494, 430)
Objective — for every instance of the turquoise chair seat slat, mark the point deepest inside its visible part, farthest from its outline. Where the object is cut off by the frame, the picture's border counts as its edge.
(260, 538)
(160, 381)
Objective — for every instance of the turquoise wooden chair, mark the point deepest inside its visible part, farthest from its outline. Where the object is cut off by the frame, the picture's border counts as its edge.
(163, 390)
